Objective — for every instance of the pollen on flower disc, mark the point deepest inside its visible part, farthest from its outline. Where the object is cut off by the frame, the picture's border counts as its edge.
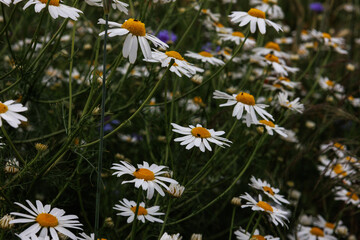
(141, 210)
(265, 206)
(200, 132)
(339, 145)
(257, 237)
(352, 195)
(174, 54)
(272, 45)
(338, 169)
(145, 174)
(3, 108)
(317, 232)
(270, 124)
(245, 98)
(238, 34)
(326, 35)
(256, 13)
(330, 225)
(47, 220)
(330, 84)
(269, 190)
(135, 27)
(284, 79)
(205, 54)
(272, 58)
(52, 2)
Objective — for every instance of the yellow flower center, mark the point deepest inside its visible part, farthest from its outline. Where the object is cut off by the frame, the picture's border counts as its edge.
(272, 58)
(284, 79)
(141, 210)
(200, 132)
(276, 85)
(174, 54)
(219, 25)
(245, 98)
(198, 100)
(3, 108)
(339, 146)
(47, 220)
(352, 195)
(350, 159)
(338, 169)
(135, 27)
(317, 232)
(265, 206)
(267, 123)
(205, 54)
(257, 237)
(329, 83)
(145, 174)
(304, 32)
(330, 225)
(326, 35)
(52, 2)
(351, 98)
(238, 34)
(268, 189)
(256, 13)
(272, 45)
(283, 40)
(204, 11)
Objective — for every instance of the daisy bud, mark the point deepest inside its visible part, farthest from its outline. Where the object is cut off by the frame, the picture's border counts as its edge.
(310, 124)
(96, 111)
(107, 4)
(41, 147)
(197, 79)
(342, 231)
(260, 129)
(290, 183)
(5, 222)
(12, 166)
(295, 194)
(236, 201)
(161, 139)
(306, 220)
(109, 222)
(196, 236)
(87, 46)
(176, 190)
(119, 156)
(350, 67)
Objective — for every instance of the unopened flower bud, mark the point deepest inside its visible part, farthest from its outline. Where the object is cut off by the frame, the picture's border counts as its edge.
(5, 222)
(106, 5)
(109, 222)
(196, 236)
(236, 201)
(12, 166)
(176, 190)
(41, 147)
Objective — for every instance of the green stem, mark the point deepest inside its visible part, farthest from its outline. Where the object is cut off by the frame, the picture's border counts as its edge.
(256, 225)
(133, 229)
(165, 219)
(70, 76)
(250, 221)
(12, 145)
(309, 66)
(232, 223)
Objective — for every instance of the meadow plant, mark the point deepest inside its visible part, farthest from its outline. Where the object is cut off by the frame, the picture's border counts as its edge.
(179, 119)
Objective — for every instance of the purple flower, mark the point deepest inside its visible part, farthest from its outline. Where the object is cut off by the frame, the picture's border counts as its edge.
(209, 47)
(316, 7)
(166, 36)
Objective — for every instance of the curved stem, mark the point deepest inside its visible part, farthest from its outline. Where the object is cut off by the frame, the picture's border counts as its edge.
(165, 219)
(12, 145)
(232, 222)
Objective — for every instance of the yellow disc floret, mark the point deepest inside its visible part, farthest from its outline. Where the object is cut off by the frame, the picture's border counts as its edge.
(272, 45)
(353, 196)
(256, 13)
(269, 190)
(245, 98)
(141, 210)
(326, 35)
(52, 2)
(200, 132)
(47, 220)
(272, 58)
(135, 27)
(330, 225)
(339, 146)
(338, 169)
(238, 34)
(145, 174)
(3, 108)
(265, 206)
(267, 123)
(205, 54)
(257, 237)
(174, 54)
(317, 232)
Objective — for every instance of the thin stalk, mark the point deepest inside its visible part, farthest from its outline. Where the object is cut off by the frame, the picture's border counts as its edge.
(12, 145)
(133, 228)
(250, 221)
(70, 76)
(232, 222)
(9, 20)
(256, 225)
(165, 219)
(101, 145)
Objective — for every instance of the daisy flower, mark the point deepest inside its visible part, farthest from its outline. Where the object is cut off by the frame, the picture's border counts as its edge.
(56, 8)
(49, 221)
(327, 84)
(242, 234)
(268, 190)
(176, 190)
(147, 177)
(84, 236)
(278, 65)
(294, 105)
(116, 4)
(337, 147)
(136, 33)
(270, 127)
(127, 208)
(9, 112)
(199, 137)
(243, 101)
(253, 17)
(273, 48)
(284, 81)
(327, 226)
(237, 38)
(180, 66)
(166, 236)
(205, 57)
(270, 7)
(347, 196)
(313, 233)
(275, 215)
